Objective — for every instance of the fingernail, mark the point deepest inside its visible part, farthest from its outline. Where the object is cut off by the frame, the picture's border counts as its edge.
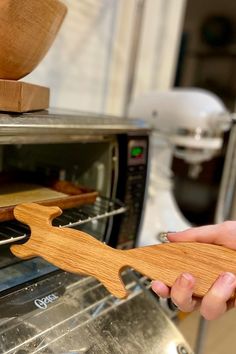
(228, 278)
(153, 282)
(155, 285)
(185, 279)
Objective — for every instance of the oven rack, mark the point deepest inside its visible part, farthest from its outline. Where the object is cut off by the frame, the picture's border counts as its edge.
(12, 231)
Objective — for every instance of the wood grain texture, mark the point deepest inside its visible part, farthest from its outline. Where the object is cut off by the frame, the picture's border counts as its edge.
(64, 202)
(27, 30)
(18, 193)
(19, 96)
(77, 252)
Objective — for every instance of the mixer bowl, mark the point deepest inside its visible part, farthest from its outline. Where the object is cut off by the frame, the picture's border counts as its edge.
(27, 30)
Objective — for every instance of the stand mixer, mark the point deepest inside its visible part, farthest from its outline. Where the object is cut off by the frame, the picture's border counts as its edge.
(27, 30)
(189, 124)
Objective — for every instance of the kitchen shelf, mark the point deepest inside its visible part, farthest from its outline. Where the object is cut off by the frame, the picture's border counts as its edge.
(12, 231)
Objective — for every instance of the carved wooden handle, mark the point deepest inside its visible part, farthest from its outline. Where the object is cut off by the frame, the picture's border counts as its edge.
(77, 252)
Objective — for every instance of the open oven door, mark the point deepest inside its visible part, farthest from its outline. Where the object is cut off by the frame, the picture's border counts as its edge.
(85, 318)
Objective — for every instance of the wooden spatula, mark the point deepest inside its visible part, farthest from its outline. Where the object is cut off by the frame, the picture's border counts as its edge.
(77, 252)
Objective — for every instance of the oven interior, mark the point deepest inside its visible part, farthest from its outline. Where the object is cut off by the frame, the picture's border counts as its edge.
(90, 164)
(82, 163)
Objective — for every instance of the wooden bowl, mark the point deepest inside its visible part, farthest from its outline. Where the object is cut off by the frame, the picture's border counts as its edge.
(27, 30)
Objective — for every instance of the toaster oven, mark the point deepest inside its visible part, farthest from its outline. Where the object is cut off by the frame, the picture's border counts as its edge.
(45, 310)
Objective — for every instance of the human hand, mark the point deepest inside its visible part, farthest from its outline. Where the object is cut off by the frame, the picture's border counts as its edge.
(217, 301)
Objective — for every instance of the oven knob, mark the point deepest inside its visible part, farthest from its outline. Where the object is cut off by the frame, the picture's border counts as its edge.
(181, 349)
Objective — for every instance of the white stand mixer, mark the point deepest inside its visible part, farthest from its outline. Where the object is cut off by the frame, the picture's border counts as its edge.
(187, 123)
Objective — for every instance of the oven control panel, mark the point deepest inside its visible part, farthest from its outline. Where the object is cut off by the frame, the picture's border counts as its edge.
(137, 154)
(132, 177)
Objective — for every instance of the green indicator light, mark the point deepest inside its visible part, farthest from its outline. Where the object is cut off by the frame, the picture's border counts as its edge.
(136, 151)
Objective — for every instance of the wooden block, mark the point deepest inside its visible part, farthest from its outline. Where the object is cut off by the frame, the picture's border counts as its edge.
(18, 96)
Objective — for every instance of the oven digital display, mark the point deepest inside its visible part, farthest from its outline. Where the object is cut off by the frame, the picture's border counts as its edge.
(137, 152)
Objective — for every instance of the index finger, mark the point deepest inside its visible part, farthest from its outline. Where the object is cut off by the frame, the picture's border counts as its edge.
(219, 234)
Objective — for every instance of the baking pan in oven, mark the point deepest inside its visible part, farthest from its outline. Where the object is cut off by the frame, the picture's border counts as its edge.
(23, 188)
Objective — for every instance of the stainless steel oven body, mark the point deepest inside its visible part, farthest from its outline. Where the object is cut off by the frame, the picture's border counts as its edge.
(105, 153)
(44, 310)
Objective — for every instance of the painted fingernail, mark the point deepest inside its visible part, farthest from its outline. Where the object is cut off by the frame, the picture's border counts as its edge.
(185, 279)
(228, 278)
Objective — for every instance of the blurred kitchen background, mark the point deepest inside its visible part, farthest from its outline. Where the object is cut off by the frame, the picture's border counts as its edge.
(110, 51)
(206, 59)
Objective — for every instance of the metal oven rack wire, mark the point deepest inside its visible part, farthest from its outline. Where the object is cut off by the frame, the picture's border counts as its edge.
(12, 231)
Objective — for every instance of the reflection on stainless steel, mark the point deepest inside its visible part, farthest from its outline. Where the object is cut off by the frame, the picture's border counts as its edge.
(87, 319)
(199, 132)
(60, 125)
(226, 206)
(102, 208)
